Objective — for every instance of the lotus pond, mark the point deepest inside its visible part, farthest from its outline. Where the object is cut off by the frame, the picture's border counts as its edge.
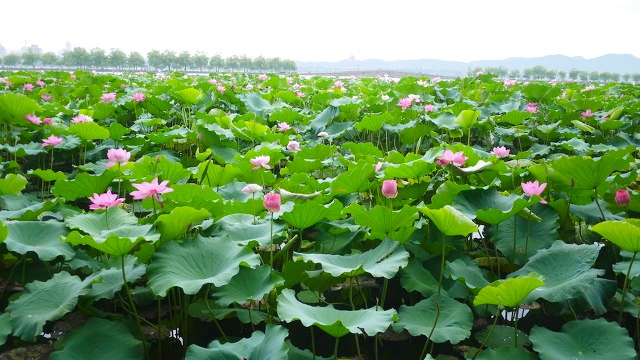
(233, 216)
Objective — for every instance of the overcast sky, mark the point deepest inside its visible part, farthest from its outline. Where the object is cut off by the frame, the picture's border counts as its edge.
(330, 30)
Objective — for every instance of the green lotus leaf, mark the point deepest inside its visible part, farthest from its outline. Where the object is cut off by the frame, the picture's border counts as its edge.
(354, 180)
(41, 237)
(44, 301)
(260, 346)
(248, 285)
(255, 103)
(108, 280)
(510, 292)
(374, 122)
(415, 277)
(468, 272)
(83, 185)
(529, 234)
(566, 269)
(336, 323)
(89, 131)
(502, 336)
(306, 214)
(49, 175)
(95, 223)
(181, 219)
(214, 175)
(514, 117)
(320, 122)
(192, 195)
(381, 219)
(115, 342)
(22, 150)
(586, 173)
(414, 169)
(440, 317)
(359, 150)
(507, 353)
(13, 108)
(584, 339)
(624, 233)
(189, 95)
(13, 184)
(117, 131)
(467, 118)
(25, 208)
(196, 262)
(208, 311)
(112, 244)
(489, 206)
(5, 327)
(383, 261)
(450, 221)
(240, 229)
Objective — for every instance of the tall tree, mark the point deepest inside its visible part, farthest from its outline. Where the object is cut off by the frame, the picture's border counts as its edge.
(200, 61)
(155, 59)
(98, 58)
(117, 58)
(50, 59)
(12, 59)
(31, 58)
(136, 60)
(216, 63)
(183, 60)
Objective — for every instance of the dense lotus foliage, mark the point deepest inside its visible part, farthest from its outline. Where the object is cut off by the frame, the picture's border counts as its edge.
(230, 216)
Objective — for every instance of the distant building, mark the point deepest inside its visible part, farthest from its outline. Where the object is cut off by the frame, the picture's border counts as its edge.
(35, 49)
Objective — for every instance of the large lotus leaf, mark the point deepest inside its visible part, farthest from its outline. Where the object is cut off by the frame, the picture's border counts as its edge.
(510, 292)
(44, 301)
(306, 214)
(336, 323)
(354, 180)
(260, 346)
(440, 317)
(255, 103)
(414, 169)
(529, 234)
(382, 220)
(148, 167)
(624, 233)
(468, 272)
(25, 208)
(501, 336)
(196, 262)
(110, 244)
(190, 95)
(415, 277)
(622, 266)
(208, 311)
(214, 175)
(507, 353)
(566, 269)
(450, 221)
(248, 285)
(181, 219)
(108, 280)
(89, 131)
(193, 195)
(95, 223)
(586, 173)
(13, 108)
(489, 205)
(41, 237)
(467, 118)
(99, 339)
(374, 122)
(5, 327)
(584, 339)
(49, 175)
(83, 185)
(12, 184)
(21, 150)
(241, 229)
(383, 261)
(303, 354)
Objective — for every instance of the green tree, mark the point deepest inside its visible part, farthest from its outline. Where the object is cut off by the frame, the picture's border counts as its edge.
(169, 58)
(136, 60)
(245, 63)
(635, 76)
(155, 59)
(78, 57)
(216, 63)
(98, 58)
(232, 63)
(574, 74)
(183, 60)
(514, 74)
(50, 59)
(562, 75)
(594, 76)
(583, 75)
(117, 58)
(12, 59)
(31, 58)
(200, 61)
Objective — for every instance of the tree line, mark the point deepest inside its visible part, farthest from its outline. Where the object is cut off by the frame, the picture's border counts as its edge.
(541, 73)
(117, 59)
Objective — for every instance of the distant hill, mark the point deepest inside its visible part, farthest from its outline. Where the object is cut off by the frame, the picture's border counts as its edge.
(615, 63)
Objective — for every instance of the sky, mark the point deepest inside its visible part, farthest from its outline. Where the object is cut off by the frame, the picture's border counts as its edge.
(330, 30)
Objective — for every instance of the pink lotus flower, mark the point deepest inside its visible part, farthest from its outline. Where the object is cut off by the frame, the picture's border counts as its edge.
(251, 189)
(293, 146)
(81, 119)
(73, 76)
(138, 96)
(104, 201)
(33, 119)
(47, 121)
(509, 82)
(404, 103)
(52, 141)
(152, 189)
(390, 189)
(534, 188)
(300, 94)
(40, 83)
(500, 151)
(249, 87)
(414, 98)
(289, 80)
(532, 108)
(428, 108)
(117, 156)
(587, 113)
(46, 97)
(262, 77)
(272, 202)
(379, 166)
(108, 97)
(449, 157)
(221, 88)
(262, 160)
(623, 198)
(28, 87)
(590, 87)
(283, 126)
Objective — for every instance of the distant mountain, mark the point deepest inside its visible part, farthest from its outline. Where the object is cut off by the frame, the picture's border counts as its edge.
(615, 63)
